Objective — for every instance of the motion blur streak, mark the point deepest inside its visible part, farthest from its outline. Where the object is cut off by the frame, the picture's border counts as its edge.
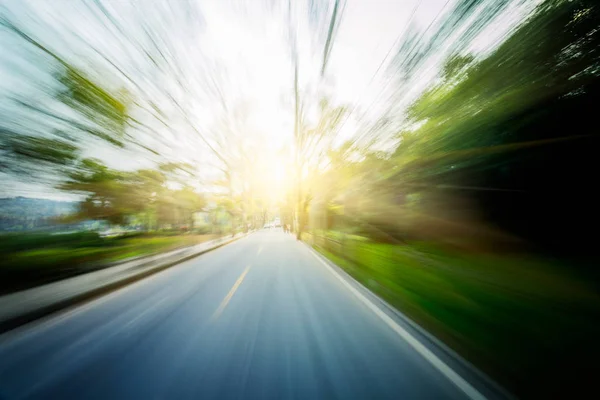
(290, 331)
(441, 153)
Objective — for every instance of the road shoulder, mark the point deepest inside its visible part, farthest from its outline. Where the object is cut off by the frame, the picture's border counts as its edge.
(474, 383)
(20, 308)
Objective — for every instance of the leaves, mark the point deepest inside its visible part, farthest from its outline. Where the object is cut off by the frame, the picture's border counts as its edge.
(92, 101)
(500, 133)
(38, 150)
(32, 141)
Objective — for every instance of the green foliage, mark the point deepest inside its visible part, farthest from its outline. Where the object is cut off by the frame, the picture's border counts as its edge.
(44, 150)
(91, 100)
(21, 154)
(456, 66)
(34, 259)
(28, 149)
(11, 243)
(117, 196)
(177, 207)
(536, 64)
(109, 197)
(498, 154)
(491, 132)
(502, 313)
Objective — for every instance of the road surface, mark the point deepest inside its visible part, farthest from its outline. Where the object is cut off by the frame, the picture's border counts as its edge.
(261, 318)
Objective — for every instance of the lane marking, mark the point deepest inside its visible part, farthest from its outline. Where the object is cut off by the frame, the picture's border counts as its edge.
(260, 249)
(427, 354)
(227, 298)
(36, 327)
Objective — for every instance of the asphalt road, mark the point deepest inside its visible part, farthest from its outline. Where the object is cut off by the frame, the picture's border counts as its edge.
(261, 318)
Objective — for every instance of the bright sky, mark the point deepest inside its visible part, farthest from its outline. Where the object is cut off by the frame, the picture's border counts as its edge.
(237, 52)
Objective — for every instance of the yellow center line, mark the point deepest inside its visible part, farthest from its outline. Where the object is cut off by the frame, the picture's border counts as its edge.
(227, 298)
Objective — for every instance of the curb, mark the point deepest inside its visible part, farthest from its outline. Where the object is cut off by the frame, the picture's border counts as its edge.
(479, 380)
(15, 321)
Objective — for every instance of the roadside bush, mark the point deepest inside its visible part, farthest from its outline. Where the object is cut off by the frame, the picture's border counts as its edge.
(12, 243)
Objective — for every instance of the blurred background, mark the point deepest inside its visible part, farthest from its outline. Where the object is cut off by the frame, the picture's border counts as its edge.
(442, 152)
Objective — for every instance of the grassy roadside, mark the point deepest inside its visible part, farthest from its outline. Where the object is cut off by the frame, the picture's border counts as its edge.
(30, 260)
(516, 318)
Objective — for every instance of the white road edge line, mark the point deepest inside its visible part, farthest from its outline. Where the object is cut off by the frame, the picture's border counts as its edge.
(448, 372)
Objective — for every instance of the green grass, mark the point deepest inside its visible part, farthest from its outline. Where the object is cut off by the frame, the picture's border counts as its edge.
(29, 261)
(506, 314)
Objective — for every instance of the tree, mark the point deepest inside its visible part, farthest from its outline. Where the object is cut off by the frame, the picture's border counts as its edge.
(496, 142)
(312, 146)
(500, 141)
(111, 195)
(188, 202)
(38, 148)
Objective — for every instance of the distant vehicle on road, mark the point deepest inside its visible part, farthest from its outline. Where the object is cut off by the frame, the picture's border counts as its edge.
(274, 224)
